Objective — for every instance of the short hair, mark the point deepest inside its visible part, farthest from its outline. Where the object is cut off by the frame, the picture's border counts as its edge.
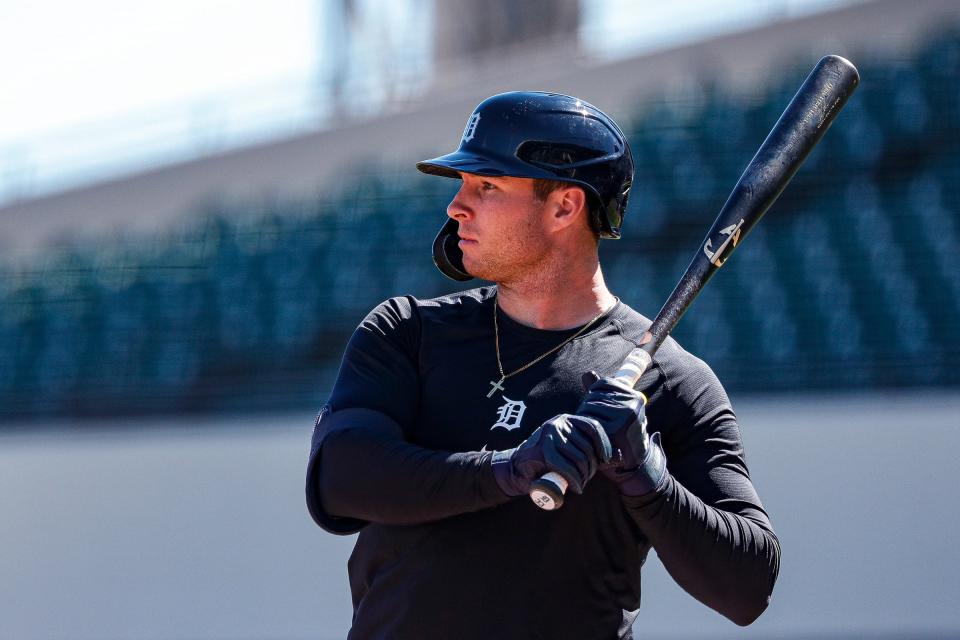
(543, 187)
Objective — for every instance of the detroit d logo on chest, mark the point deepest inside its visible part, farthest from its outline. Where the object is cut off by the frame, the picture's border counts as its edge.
(509, 414)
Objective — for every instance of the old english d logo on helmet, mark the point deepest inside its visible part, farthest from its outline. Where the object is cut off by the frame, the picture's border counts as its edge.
(528, 134)
(471, 128)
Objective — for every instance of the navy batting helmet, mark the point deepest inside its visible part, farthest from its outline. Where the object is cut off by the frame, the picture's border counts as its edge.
(531, 134)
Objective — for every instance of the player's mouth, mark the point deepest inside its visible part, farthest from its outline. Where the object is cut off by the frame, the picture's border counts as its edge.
(466, 241)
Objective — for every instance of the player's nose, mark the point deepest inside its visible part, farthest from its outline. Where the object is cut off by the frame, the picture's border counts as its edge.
(458, 209)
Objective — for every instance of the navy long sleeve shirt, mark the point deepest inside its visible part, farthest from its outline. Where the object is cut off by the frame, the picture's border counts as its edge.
(401, 454)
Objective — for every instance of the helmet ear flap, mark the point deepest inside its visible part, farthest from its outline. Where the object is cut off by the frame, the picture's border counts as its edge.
(446, 252)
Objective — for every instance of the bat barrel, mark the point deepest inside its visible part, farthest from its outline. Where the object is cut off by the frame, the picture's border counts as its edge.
(801, 126)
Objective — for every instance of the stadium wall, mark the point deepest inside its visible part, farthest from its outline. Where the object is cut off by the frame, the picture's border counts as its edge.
(197, 529)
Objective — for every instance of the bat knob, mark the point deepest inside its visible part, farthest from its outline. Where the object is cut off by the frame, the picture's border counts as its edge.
(547, 491)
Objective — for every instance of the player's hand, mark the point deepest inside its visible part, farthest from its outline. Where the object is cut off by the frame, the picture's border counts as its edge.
(573, 446)
(638, 463)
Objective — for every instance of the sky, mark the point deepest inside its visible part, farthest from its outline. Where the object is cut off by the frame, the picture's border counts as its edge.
(70, 62)
(106, 86)
(623, 27)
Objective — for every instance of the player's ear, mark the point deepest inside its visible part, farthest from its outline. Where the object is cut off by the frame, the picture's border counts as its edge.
(567, 205)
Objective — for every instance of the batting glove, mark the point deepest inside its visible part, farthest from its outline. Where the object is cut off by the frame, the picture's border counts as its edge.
(639, 464)
(573, 446)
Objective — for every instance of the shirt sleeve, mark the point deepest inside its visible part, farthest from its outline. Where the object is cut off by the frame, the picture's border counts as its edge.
(705, 521)
(362, 468)
(379, 367)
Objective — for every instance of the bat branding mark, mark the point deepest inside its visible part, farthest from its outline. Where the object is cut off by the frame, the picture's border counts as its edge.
(719, 256)
(828, 115)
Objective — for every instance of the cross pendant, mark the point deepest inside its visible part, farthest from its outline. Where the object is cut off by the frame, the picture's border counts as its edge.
(496, 386)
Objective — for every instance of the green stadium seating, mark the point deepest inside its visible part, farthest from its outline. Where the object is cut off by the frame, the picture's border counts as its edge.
(850, 283)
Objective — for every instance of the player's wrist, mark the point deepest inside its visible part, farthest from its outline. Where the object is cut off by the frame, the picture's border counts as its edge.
(509, 483)
(644, 478)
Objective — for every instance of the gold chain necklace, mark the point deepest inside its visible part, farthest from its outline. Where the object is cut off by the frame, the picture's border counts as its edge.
(495, 386)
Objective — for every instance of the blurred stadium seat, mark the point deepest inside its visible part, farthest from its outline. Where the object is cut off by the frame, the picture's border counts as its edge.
(850, 283)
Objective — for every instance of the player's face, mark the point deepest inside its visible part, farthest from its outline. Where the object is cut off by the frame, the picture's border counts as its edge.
(502, 233)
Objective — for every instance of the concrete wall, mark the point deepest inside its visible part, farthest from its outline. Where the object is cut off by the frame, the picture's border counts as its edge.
(433, 124)
(198, 530)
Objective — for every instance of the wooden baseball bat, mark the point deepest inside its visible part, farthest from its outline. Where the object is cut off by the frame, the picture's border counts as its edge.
(796, 133)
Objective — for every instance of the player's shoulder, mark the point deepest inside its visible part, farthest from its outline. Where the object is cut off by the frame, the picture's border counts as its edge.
(690, 380)
(400, 310)
(678, 366)
(459, 302)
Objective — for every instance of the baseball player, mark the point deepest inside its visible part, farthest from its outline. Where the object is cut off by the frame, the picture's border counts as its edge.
(446, 410)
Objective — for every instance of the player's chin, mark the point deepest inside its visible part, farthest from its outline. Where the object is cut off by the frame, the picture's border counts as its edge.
(477, 267)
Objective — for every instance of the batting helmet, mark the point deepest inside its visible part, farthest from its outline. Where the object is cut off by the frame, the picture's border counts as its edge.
(531, 134)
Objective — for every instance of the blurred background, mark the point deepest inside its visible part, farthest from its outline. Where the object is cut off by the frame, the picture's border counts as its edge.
(200, 200)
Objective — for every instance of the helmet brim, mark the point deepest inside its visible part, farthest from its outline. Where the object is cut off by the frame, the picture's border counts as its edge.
(452, 164)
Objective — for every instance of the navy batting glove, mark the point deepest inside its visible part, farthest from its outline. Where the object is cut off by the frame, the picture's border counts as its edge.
(573, 446)
(638, 465)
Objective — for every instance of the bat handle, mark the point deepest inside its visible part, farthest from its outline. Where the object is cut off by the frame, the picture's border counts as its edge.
(635, 364)
(547, 491)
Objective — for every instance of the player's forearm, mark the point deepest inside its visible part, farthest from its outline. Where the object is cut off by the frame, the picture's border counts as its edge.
(379, 477)
(727, 561)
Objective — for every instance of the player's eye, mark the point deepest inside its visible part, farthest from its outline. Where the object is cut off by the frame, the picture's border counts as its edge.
(488, 186)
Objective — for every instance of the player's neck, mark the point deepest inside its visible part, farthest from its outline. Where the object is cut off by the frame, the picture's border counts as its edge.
(557, 299)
